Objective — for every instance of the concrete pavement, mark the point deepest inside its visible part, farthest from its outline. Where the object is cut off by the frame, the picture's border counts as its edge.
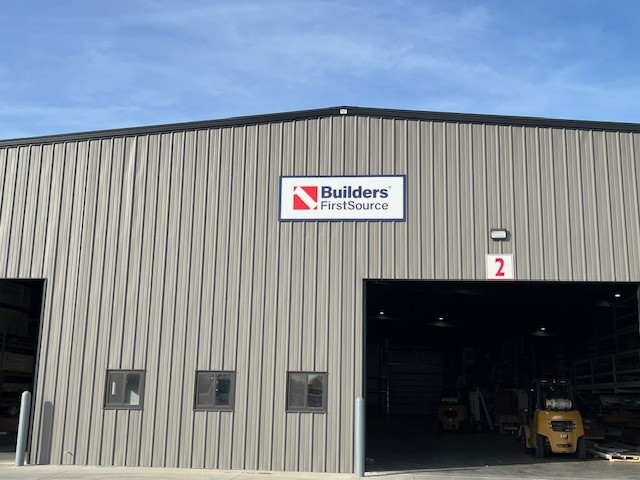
(597, 470)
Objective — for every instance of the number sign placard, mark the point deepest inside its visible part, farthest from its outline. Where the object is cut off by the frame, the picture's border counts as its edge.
(499, 267)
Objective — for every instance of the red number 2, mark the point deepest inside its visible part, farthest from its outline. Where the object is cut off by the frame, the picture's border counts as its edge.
(500, 272)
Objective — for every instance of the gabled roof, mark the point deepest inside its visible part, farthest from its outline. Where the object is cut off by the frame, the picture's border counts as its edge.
(335, 111)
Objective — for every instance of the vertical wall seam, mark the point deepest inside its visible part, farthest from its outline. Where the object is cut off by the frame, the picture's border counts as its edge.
(24, 210)
(13, 205)
(130, 247)
(496, 138)
(472, 195)
(262, 286)
(607, 165)
(115, 282)
(63, 303)
(215, 320)
(525, 183)
(204, 221)
(75, 303)
(567, 203)
(176, 276)
(162, 288)
(4, 155)
(276, 317)
(554, 206)
(249, 276)
(635, 185)
(581, 200)
(459, 208)
(485, 184)
(143, 222)
(87, 302)
(623, 210)
(35, 222)
(512, 190)
(181, 402)
(595, 207)
(538, 161)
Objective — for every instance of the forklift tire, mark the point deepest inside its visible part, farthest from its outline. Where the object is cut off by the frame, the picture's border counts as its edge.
(581, 451)
(540, 446)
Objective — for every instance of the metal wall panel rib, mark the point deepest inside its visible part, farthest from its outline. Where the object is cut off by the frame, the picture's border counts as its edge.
(181, 322)
(193, 288)
(23, 256)
(614, 170)
(576, 207)
(631, 199)
(79, 269)
(162, 252)
(8, 204)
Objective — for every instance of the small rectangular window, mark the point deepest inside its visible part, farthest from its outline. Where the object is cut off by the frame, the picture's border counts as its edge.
(215, 390)
(125, 389)
(307, 392)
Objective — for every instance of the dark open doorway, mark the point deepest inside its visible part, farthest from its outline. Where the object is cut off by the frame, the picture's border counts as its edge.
(424, 338)
(20, 312)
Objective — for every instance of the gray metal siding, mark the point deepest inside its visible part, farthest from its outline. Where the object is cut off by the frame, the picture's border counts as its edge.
(163, 252)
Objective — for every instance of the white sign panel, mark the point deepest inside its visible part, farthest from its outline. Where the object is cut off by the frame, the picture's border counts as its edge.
(499, 267)
(361, 198)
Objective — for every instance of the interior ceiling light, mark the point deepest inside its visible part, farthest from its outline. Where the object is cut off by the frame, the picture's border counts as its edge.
(617, 295)
(381, 312)
(543, 328)
(441, 318)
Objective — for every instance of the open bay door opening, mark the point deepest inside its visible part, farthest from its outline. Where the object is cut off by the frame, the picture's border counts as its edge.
(450, 366)
(20, 311)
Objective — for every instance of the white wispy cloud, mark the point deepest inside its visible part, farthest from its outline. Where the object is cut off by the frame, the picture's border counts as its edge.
(91, 65)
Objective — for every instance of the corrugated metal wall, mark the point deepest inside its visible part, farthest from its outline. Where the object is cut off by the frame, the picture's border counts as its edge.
(163, 252)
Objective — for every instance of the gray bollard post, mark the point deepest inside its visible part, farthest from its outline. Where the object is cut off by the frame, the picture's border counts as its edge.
(358, 449)
(23, 428)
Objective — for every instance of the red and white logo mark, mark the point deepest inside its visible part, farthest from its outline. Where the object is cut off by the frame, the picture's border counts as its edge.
(305, 198)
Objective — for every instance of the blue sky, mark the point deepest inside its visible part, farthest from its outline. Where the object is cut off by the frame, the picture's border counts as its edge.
(79, 65)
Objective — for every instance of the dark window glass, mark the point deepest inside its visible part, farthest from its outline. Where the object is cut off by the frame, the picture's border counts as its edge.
(307, 392)
(215, 390)
(124, 389)
(297, 390)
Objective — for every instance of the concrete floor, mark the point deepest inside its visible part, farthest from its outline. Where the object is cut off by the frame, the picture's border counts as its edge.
(400, 448)
(409, 445)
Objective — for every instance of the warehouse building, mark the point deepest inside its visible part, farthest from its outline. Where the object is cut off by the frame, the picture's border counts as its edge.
(218, 294)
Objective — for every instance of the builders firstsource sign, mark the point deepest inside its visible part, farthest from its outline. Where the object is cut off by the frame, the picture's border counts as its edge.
(343, 198)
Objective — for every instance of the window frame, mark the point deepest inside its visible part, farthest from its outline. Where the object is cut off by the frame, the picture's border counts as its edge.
(125, 375)
(215, 408)
(307, 408)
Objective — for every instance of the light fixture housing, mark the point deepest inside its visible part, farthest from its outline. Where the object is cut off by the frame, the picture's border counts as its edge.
(499, 234)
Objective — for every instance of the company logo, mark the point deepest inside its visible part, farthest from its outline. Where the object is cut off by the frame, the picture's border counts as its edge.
(343, 198)
(305, 198)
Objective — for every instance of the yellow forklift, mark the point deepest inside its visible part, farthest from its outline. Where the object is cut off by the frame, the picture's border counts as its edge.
(453, 416)
(553, 423)
(453, 411)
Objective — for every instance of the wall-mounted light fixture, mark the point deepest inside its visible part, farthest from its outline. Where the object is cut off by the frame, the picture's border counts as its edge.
(499, 234)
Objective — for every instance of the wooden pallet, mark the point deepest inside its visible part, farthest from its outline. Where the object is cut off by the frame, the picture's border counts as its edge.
(507, 424)
(614, 452)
